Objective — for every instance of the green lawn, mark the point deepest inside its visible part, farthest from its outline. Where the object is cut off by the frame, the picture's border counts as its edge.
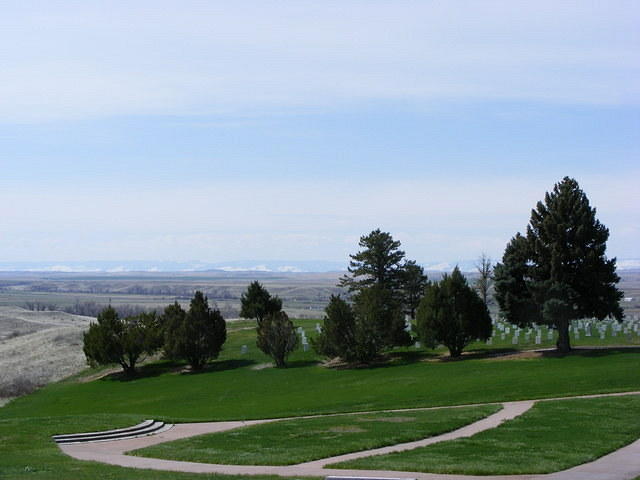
(27, 452)
(232, 389)
(296, 441)
(552, 436)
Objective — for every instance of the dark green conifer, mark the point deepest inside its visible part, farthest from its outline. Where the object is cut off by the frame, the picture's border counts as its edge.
(559, 271)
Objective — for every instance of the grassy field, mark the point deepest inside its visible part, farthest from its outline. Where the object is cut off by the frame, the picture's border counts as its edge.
(552, 436)
(27, 452)
(296, 441)
(239, 387)
(233, 388)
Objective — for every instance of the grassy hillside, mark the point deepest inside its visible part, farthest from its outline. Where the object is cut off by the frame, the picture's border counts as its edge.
(239, 387)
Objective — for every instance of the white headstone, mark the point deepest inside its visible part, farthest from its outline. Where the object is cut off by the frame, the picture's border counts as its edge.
(243, 349)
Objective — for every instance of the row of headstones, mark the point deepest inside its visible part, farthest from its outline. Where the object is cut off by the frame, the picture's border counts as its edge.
(627, 326)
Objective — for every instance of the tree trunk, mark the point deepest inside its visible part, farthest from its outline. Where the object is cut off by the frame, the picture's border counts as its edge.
(564, 342)
(129, 369)
(454, 351)
(280, 361)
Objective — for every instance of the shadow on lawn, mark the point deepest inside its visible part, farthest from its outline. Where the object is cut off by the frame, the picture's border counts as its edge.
(167, 366)
(591, 351)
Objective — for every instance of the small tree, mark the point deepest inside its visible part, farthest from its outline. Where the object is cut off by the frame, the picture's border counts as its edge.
(196, 336)
(452, 313)
(258, 303)
(172, 321)
(485, 280)
(413, 283)
(337, 338)
(380, 314)
(558, 271)
(277, 337)
(121, 341)
(360, 333)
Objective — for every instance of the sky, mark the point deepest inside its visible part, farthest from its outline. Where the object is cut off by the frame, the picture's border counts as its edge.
(285, 130)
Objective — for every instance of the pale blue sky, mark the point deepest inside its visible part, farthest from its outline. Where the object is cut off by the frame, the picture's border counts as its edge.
(221, 131)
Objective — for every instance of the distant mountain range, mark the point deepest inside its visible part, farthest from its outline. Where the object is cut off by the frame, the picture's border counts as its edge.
(234, 266)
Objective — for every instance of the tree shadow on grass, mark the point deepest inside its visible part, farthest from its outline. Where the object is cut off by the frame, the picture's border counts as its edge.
(167, 366)
(591, 352)
(300, 364)
(220, 366)
(408, 357)
(388, 360)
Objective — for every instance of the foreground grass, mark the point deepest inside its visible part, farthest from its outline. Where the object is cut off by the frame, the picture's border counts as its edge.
(296, 441)
(552, 436)
(232, 390)
(27, 452)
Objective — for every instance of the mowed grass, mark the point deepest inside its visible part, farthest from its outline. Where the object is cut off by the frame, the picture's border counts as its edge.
(552, 436)
(296, 441)
(232, 390)
(27, 452)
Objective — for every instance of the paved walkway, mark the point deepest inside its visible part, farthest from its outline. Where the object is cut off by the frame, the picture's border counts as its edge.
(623, 464)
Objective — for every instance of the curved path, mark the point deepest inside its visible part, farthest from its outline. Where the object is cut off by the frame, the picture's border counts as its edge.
(623, 464)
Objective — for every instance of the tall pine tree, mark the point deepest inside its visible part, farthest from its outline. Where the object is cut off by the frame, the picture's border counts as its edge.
(378, 263)
(559, 271)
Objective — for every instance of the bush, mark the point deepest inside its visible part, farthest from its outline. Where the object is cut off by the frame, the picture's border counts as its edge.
(196, 336)
(277, 337)
(359, 334)
(121, 341)
(452, 313)
(337, 338)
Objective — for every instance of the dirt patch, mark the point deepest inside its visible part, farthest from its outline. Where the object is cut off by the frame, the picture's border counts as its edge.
(395, 419)
(262, 366)
(98, 375)
(346, 429)
(519, 355)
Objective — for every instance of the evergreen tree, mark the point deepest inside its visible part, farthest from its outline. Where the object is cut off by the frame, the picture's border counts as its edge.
(121, 341)
(337, 338)
(559, 270)
(485, 280)
(172, 320)
(277, 337)
(360, 333)
(258, 303)
(452, 313)
(378, 263)
(196, 336)
(379, 322)
(413, 284)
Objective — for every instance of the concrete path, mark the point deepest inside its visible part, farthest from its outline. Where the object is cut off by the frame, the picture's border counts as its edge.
(623, 464)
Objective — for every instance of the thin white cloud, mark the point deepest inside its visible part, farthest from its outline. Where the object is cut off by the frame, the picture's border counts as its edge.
(435, 220)
(70, 60)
